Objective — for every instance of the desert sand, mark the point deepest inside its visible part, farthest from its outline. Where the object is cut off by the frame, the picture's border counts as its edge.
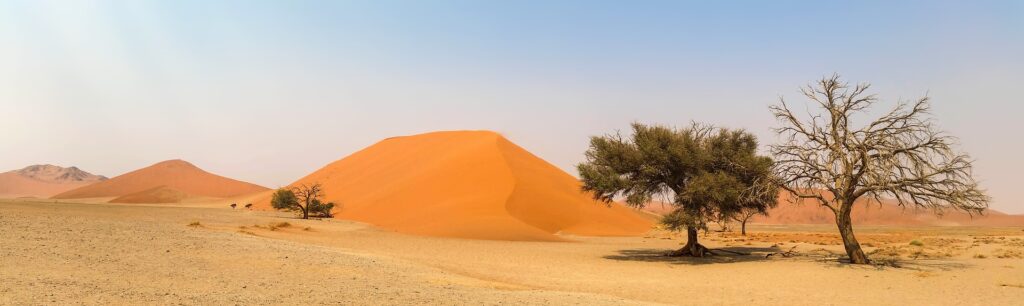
(59, 253)
(171, 180)
(467, 184)
(43, 181)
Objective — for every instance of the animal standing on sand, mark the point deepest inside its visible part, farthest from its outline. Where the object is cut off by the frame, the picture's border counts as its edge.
(233, 205)
(901, 155)
(248, 205)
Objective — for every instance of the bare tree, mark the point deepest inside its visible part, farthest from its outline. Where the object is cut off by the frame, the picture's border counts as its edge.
(901, 155)
(745, 216)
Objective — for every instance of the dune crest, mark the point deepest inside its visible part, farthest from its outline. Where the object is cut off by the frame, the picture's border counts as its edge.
(466, 184)
(163, 181)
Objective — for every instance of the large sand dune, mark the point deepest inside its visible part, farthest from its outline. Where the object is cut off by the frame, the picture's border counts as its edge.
(171, 180)
(467, 184)
(44, 181)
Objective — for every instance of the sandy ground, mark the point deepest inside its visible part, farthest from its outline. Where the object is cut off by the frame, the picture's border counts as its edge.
(75, 253)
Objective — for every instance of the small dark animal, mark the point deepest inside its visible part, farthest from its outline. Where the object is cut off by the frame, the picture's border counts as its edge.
(233, 205)
(248, 206)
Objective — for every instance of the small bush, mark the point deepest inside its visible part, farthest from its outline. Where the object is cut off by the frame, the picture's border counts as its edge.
(308, 229)
(194, 224)
(283, 224)
(980, 256)
(916, 243)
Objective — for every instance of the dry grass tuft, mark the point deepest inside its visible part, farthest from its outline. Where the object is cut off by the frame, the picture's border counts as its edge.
(308, 229)
(194, 224)
(980, 256)
(247, 232)
(282, 224)
(1005, 253)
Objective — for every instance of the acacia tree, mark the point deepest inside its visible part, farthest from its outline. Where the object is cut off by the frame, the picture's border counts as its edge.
(743, 216)
(711, 174)
(303, 198)
(901, 155)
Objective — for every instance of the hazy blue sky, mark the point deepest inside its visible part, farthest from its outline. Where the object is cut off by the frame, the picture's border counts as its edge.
(268, 91)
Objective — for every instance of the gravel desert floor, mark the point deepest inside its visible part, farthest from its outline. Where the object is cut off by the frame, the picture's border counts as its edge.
(79, 253)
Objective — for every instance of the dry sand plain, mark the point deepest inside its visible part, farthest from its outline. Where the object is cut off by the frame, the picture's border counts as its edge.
(76, 253)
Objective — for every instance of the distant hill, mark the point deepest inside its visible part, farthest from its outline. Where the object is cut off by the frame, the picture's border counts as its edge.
(164, 182)
(44, 181)
(466, 184)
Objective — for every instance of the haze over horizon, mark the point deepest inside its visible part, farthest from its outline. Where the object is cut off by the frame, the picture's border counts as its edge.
(267, 92)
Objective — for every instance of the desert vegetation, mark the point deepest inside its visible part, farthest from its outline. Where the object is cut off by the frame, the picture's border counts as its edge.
(710, 174)
(902, 155)
(305, 199)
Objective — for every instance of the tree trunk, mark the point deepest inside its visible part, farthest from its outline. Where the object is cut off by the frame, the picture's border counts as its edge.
(692, 247)
(743, 227)
(849, 240)
(305, 212)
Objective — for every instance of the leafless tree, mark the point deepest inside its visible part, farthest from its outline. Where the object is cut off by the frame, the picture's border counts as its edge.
(901, 155)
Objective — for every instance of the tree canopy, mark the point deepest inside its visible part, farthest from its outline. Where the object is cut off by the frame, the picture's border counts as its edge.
(306, 199)
(707, 173)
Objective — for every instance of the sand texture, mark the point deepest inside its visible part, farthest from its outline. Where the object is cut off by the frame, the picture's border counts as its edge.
(103, 254)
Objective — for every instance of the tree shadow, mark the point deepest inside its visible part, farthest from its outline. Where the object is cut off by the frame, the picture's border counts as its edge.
(922, 265)
(658, 255)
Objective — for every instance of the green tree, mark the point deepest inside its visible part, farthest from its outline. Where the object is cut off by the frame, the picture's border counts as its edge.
(830, 158)
(710, 174)
(306, 199)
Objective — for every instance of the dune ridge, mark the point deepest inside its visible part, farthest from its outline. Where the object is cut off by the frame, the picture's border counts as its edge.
(466, 184)
(171, 180)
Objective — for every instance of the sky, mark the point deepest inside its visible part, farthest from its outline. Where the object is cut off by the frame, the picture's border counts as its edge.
(269, 91)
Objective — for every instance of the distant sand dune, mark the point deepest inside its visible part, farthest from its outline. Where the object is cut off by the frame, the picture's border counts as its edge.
(164, 181)
(869, 213)
(160, 194)
(467, 184)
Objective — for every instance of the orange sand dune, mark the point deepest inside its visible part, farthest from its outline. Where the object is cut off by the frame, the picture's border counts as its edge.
(143, 185)
(868, 213)
(467, 184)
(887, 213)
(159, 194)
(43, 181)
